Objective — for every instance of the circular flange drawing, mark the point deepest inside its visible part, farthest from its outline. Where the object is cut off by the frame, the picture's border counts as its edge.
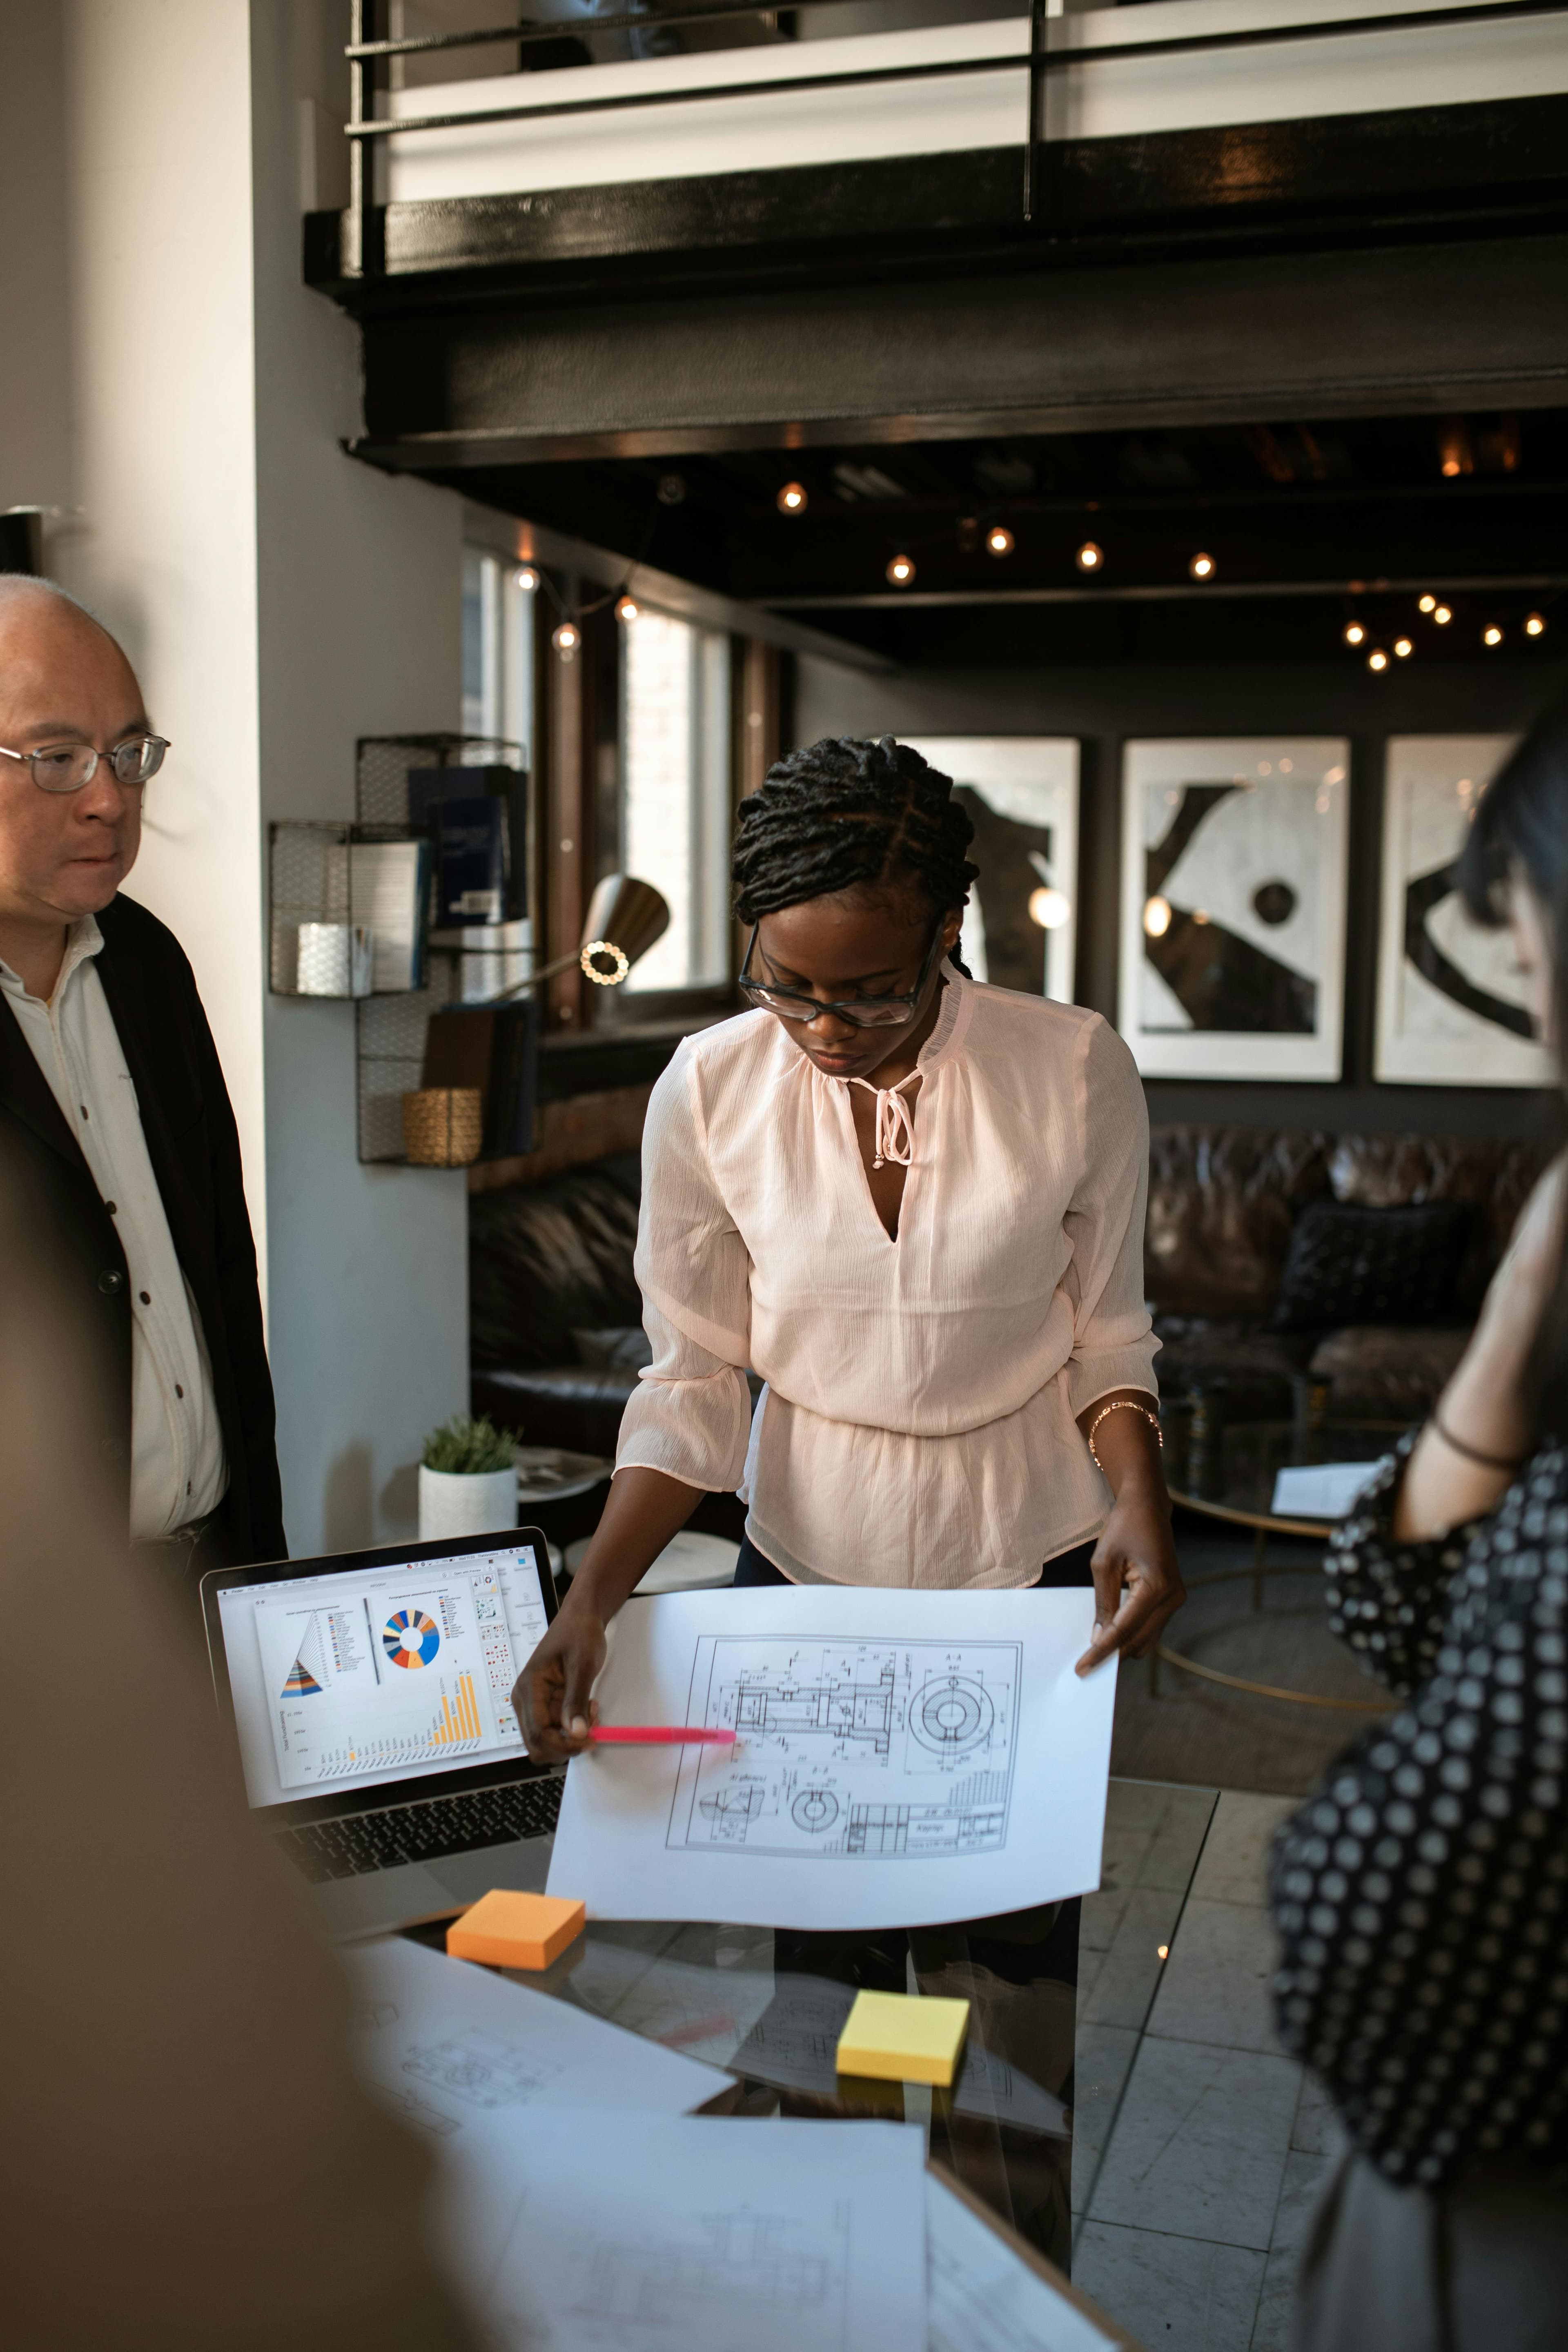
(950, 1713)
(814, 1808)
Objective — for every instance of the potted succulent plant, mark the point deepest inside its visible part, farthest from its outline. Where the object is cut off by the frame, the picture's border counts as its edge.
(468, 1479)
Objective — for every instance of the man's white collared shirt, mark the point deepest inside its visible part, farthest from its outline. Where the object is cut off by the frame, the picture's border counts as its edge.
(178, 1468)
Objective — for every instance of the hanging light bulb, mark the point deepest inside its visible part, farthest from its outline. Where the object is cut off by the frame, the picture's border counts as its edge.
(526, 578)
(901, 572)
(1156, 916)
(1442, 615)
(792, 499)
(1492, 635)
(998, 540)
(1355, 635)
(567, 638)
(1535, 625)
(1428, 605)
(1202, 567)
(628, 608)
(1403, 648)
(1089, 558)
(1377, 658)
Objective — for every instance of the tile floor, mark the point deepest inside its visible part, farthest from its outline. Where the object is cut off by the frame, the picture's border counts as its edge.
(1200, 2147)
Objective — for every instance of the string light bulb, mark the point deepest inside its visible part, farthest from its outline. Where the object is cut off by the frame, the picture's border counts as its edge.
(526, 578)
(1355, 635)
(901, 572)
(628, 608)
(1442, 615)
(1492, 635)
(1428, 605)
(1089, 558)
(567, 638)
(1202, 567)
(998, 540)
(1535, 625)
(792, 499)
(1049, 906)
(1377, 658)
(1156, 916)
(1403, 648)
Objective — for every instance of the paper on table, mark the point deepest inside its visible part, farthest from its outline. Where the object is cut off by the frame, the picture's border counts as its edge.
(982, 2298)
(452, 2046)
(1321, 1490)
(702, 2235)
(904, 1758)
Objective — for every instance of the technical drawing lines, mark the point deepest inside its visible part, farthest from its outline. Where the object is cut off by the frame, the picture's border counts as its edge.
(482, 2071)
(742, 2263)
(849, 1751)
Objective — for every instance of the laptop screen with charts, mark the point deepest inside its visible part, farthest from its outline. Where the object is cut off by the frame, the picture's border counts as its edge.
(379, 1676)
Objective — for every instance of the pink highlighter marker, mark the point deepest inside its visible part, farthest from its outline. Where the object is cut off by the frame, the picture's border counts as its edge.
(658, 1735)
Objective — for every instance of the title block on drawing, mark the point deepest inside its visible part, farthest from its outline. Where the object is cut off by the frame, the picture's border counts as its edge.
(901, 2039)
(507, 1931)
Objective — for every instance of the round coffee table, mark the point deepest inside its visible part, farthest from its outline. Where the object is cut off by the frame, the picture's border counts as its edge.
(1238, 1489)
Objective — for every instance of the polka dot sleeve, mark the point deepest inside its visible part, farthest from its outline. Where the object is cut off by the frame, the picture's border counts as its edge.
(1420, 1892)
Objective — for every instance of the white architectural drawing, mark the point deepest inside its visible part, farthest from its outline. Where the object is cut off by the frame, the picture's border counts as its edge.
(482, 2070)
(743, 2264)
(850, 1750)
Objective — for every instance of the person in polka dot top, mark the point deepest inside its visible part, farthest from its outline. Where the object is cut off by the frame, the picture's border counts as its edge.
(1420, 1892)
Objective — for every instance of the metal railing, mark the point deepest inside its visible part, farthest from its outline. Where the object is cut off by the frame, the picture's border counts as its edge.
(368, 53)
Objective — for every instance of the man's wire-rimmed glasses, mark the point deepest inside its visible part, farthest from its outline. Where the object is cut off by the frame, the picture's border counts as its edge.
(67, 767)
(860, 1012)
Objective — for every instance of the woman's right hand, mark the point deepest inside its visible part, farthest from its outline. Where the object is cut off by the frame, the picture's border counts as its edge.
(552, 1694)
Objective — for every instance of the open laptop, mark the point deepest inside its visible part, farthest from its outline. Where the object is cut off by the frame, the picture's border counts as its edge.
(370, 1695)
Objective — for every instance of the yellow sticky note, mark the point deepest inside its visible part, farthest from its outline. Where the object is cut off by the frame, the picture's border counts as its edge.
(901, 2039)
(509, 1930)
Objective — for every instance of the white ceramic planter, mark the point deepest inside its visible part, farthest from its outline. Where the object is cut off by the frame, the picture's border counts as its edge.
(465, 1503)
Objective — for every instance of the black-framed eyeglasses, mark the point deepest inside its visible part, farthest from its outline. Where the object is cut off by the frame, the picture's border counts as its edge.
(67, 767)
(862, 1012)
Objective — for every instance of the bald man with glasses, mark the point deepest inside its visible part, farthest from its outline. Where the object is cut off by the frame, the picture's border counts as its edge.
(112, 1103)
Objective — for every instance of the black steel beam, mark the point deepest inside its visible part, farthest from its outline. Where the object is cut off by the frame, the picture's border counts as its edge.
(1344, 174)
(1398, 328)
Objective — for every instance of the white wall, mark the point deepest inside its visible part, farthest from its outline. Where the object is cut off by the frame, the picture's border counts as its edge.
(183, 397)
(360, 633)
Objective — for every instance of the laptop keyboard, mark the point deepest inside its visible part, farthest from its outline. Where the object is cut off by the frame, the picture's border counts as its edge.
(423, 1832)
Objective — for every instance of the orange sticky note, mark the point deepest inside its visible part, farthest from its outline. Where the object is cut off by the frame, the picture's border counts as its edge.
(507, 1931)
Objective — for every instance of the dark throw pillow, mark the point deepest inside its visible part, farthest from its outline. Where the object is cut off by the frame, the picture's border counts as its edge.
(1350, 1264)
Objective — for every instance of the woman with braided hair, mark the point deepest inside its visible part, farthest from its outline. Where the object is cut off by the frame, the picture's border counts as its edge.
(915, 1207)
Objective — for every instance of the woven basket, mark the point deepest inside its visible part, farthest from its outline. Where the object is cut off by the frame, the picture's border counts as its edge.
(443, 1127)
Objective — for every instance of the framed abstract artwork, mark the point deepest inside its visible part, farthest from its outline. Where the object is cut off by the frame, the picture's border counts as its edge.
(1450, 1010)
(1020, 928)
(1232, 906)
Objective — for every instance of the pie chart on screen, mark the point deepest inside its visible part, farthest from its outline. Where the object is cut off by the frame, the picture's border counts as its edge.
(410, 1639)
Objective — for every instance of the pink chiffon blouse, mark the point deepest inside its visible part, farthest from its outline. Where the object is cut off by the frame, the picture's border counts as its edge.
(918, 1425)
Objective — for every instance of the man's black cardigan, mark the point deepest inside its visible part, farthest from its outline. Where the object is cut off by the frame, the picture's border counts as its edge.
(193, 1145)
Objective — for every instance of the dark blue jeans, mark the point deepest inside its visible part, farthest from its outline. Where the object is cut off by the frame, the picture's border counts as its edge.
(1069, 1567)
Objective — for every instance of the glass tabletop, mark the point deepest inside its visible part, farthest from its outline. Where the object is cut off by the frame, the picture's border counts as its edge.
(767, 2006)
(1229, 1470)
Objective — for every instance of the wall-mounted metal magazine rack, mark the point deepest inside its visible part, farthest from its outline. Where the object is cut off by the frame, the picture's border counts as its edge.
(463, 962)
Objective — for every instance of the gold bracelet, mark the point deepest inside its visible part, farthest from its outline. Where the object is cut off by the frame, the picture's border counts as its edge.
(1122, 1404)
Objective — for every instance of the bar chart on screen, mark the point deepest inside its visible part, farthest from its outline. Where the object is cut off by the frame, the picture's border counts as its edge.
(391, 1676)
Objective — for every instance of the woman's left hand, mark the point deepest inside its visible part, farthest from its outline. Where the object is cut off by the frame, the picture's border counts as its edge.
(1138, 1586)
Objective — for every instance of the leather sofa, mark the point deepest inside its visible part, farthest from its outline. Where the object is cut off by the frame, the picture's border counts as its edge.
(1223, 1204)
(555, 1314)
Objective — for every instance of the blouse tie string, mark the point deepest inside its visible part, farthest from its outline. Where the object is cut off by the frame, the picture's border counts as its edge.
(895, 1127)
